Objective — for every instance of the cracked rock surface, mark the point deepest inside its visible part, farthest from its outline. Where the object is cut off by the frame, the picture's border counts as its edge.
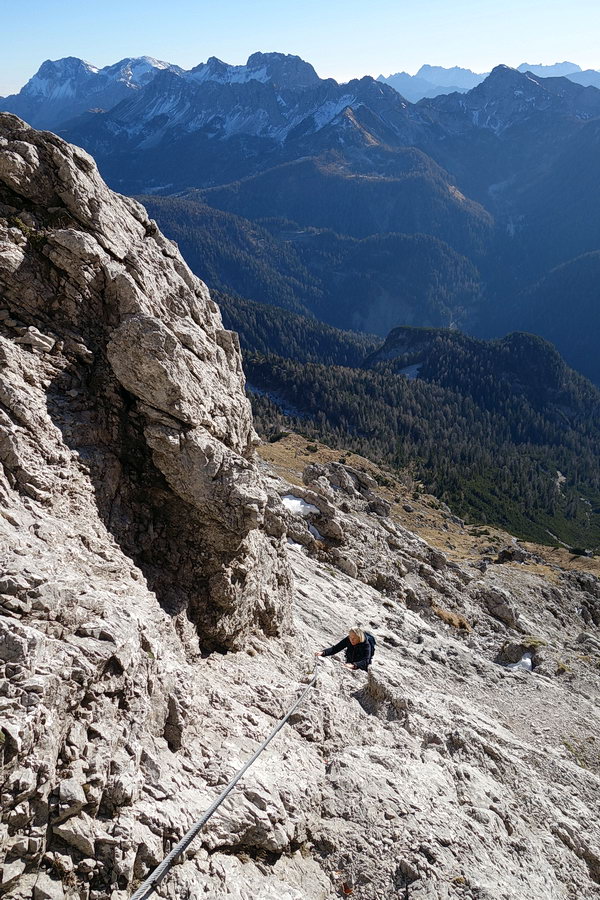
(146, 637)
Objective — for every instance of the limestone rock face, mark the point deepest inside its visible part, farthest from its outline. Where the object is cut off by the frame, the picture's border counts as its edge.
(130, 377)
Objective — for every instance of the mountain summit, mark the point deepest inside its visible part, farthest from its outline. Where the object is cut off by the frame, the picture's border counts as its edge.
(463, 79)
(431, 81)
(554, 71)
(508, 97)
(281, 69)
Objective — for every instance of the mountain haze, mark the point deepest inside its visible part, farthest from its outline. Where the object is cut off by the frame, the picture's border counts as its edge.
(431, 81)
(369, 283)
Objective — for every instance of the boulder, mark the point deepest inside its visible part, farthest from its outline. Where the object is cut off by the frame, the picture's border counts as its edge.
(47, 888)
(499, 605)
(71, 799)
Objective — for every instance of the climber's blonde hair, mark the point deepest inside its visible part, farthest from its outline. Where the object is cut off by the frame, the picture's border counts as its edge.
(357, 632)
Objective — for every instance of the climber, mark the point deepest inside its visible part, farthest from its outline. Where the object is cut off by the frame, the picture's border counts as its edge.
(359, 647)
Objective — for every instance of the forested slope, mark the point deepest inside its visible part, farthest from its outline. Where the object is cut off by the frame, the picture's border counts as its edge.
(503, 431)
(370, 284)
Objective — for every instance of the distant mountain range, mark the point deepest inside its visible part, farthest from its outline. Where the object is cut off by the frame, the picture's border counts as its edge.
(459, 209)
(64, 88)
(262, 96)
(431, 81)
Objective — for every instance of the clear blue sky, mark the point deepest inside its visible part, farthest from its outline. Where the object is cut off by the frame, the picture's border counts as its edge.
(341, 38)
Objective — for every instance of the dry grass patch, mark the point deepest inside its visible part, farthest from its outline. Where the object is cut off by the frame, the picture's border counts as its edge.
(291, 454)
(563, 559)
(455, 620)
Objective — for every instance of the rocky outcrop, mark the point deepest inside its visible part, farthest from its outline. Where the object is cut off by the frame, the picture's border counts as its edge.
(131, 378)
(479, 709)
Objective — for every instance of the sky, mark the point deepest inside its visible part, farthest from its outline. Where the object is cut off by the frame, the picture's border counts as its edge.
(343, 39)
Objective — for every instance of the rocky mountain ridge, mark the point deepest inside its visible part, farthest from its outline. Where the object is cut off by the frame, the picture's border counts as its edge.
(274, 99)
(81, 85)
(285, 70)
(503, 174)
(140, 535)
(507, 97)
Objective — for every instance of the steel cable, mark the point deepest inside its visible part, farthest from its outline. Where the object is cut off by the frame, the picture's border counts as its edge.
(151, 883)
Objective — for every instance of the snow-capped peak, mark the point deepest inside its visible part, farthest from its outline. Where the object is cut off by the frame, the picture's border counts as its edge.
(64, 88)
(59, 77)
(137, 71)
(215, 69)
(63, 78)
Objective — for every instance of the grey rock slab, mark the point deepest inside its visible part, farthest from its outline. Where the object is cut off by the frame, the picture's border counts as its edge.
(47, 888)
(78, 833)
(11, 871)
(71, 799)
(163, 343)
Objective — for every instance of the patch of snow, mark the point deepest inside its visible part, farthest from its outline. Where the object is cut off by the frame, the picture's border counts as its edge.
(244, 74)
(331, 108)
(156, 189)
(525, 663)
(137, 72)
(298, 506)
(149, 62)
(315, 533)
(63, 79)
(227, 74)
(246, 121)
(52, 90)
